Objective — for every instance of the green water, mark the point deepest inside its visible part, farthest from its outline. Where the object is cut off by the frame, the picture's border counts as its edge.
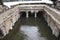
(31, 29)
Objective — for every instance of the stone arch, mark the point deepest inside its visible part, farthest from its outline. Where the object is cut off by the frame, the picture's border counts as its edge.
(1, 33)
(22, 14)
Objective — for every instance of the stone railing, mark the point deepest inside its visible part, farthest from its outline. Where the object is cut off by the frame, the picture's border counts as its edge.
(7, 20)
(52, 17)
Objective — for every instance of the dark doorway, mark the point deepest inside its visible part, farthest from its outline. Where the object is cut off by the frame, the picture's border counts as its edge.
(22, 14)
(31, 14)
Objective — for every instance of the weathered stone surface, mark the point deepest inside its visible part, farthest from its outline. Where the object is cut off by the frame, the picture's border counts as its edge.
(9, 17)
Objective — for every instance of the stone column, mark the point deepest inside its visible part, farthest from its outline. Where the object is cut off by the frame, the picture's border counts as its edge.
(27, 14)
(19, 15)
(11, 28)
(35, 14)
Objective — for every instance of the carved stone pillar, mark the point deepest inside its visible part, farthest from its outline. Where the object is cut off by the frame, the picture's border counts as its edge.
(27, 14)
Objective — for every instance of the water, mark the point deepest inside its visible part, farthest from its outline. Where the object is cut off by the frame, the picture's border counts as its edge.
(31, 29)
(31, 33)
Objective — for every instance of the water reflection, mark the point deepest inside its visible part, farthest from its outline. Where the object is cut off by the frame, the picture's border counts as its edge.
(31, 33)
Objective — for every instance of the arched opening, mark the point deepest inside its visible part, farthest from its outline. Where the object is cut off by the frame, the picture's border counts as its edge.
(31, 14)
(39, 14)
(1, 33)
(22, 14)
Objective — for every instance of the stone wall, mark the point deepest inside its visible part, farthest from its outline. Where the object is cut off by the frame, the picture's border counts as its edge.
(7, 20)
(52, 17)
(9, 17)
